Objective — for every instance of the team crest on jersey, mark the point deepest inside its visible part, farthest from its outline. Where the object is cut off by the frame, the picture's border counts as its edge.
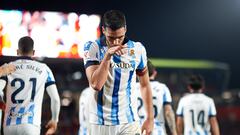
(131, 52)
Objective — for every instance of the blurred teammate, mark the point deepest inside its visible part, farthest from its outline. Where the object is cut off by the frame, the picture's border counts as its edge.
(4, 70)
(196, 112)
(111, 64)
(24, 95)
(7, 69)
(161, 105)
(83, 111)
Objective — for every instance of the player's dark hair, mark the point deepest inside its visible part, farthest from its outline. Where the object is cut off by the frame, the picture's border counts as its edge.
(25, 44)
(151, 68)
(114, 19)
(196, 82)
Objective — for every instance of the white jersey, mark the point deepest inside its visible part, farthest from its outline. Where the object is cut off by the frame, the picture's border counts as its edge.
(161, 96)
(83, 111)
(116, 103)
(25, 89)
(196, 108)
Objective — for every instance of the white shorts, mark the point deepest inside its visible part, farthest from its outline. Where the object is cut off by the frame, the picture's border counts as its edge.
(124, 129)
(22, 129)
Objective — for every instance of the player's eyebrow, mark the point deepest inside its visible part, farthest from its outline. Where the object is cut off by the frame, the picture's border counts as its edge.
(115, 37)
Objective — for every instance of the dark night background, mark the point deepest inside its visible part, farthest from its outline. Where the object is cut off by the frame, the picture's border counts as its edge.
(189, 29)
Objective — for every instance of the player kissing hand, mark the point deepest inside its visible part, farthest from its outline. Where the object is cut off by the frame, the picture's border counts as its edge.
(117, 49)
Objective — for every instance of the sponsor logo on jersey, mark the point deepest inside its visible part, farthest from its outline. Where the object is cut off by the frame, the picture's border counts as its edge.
(122, 65)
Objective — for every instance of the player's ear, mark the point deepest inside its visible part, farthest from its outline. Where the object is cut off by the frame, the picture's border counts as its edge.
(154, 74)
(33, 52)
(189, 88)
(18, 52)
(103, 30)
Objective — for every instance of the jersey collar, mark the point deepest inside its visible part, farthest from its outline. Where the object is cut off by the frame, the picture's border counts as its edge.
(25, 57)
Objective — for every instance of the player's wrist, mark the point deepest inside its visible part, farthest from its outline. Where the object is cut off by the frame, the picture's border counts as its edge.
(108, 55)
(54, 120)
(150, 118)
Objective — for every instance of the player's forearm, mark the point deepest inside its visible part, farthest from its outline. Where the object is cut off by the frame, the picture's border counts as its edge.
(215, 131)
(179, 126)
(147, 100)
(1, 71)
(214, 126)
(170, 117)
(55, 108)
(99, 76)
(55, 101)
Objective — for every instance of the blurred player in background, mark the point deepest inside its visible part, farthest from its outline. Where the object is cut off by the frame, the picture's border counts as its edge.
(83, 111)
(112, 64)
(196, 112)
(24, 94)
(161, 105)
(4, 70)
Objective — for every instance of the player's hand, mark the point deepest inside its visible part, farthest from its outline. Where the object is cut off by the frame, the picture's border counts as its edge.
(51, 127)
(7, 69)
(147, 127)
(117, 48)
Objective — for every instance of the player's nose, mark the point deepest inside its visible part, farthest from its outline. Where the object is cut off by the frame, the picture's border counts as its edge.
(116, 41)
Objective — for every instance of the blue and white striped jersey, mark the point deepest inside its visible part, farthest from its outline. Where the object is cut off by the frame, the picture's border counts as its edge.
(116, 103)
(160, 96)
(196, 109)
(25, 89)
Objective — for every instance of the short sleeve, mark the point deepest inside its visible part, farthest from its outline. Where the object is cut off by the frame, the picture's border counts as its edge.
(180, 108)
(91, 53)
(212, 109)
(167, 99)
(50, 78)
(143, 58)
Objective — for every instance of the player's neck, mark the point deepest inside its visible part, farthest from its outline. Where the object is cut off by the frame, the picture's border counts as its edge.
(25, 55)
(196, 91)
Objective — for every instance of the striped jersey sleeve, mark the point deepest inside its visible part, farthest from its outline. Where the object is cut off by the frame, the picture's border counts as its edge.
(91, 52)
(143, 58)
(167, 99)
